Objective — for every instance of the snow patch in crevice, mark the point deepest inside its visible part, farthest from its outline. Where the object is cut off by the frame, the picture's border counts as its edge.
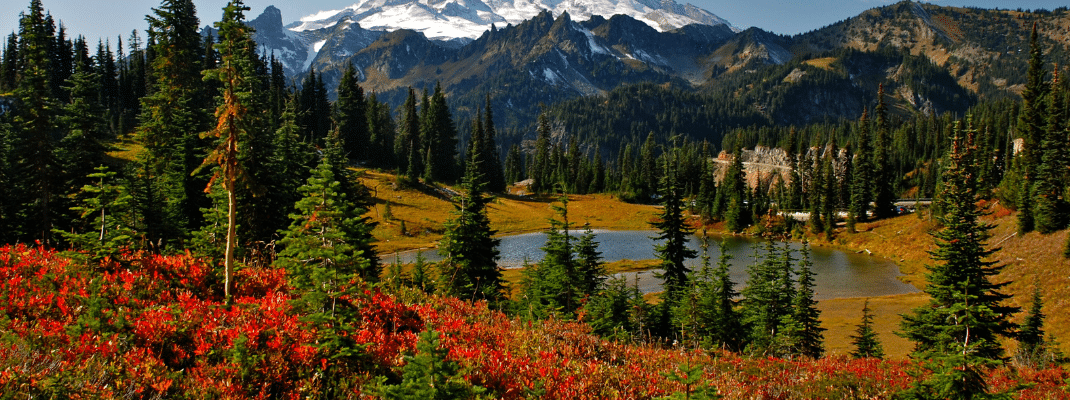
(318, 45)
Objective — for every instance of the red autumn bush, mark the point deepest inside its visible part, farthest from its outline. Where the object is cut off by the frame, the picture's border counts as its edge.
(147, 325)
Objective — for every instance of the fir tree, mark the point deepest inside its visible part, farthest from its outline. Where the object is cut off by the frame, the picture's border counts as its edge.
(553, 285)
(351, 115)
(724, 328)
(806, 334)
(1051, 208)
(883, 175)
(322, 248)
(493, 162)
(865, 340)
(540, 164)
(430, 375)
(1032, 348)
(236, 49)
(171, 118)
(733, 191)
(34, 160)
(674, 234)
(862, 173)
(440, 139)
(590, 268)
(471, 269)
(690, 377)
(965, 309)
(105, 216)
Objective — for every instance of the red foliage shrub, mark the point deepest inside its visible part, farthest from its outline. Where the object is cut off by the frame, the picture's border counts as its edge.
(157, 325)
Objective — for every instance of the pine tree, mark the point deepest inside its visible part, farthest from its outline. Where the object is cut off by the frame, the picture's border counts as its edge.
(766, 300)
(589, 265)
(237, 54)
(493, 167)
(883, 176)
(471, 269)
(723, 326)
(865, 340)
(104, 214)
(171, 118)
(817, 189)
(674, 234)
(440, 139)
(1051, 208)
(430, 375)
(1031, 128)
(862, 173)
(690, 376)
(408, 144)
(351, 115)
(807, 336)
(553, 285)
(83, 148)
(1032, 347)
(34, 165)
(734, 195)
(540, 164)
(965, 309)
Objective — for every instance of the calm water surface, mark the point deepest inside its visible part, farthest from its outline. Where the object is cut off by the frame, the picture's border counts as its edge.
(838, 274)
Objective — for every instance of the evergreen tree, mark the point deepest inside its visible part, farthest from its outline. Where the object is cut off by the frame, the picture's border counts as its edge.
(723, 326)
(862, 173)
(493, 167)
(883, 174)
(553, 285)
(734, 195)
(381, 131)
(865, 340)
(1032, 347)
(235, 70)
(514, 165)
(1051, 208)
(828, 196)
(817, 189)
(430, 375)
(765, 302)
(104, 214)
(471, 269)
(690, 376)
(540, 164)
(674, 234)
(34, 164)
(408, 144)
(965, 309)
(322, 248)
(171, 118)
(83, 148)
(351, 116)
(589, 265)
(805, 332)
(440, 139)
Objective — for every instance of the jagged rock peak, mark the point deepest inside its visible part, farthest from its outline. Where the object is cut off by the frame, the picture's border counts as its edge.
(453, 19)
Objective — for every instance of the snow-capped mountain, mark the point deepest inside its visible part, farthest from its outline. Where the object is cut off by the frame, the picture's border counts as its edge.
(468, 19)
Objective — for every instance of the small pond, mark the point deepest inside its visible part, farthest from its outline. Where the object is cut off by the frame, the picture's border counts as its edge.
(838, 274)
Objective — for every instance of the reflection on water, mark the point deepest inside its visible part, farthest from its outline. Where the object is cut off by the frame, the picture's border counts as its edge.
(837, 274)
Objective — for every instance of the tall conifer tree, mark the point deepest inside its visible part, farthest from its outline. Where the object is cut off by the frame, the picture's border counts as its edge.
(966, 308)
(471, 270)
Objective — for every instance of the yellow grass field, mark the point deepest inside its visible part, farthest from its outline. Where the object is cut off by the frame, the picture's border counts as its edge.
(423, 213)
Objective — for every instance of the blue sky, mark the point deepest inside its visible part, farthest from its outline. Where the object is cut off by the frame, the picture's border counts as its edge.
(115, 18)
